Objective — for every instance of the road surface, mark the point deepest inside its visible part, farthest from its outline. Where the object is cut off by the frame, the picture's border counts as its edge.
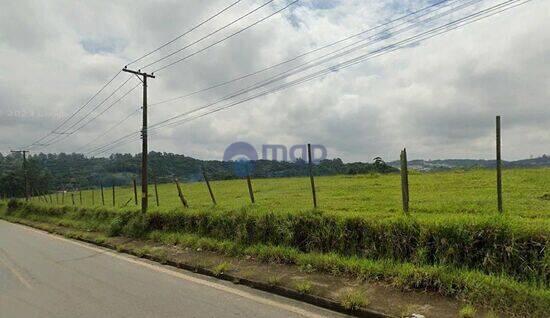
(43, 275)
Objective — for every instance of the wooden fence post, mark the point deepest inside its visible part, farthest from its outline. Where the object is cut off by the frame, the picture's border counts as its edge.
(57, 197)
(93, 196)
(63, 197)
(156, 189)
(180, 194)
(80, 194)
(114, 197)
(249, 183)
(208, 185)
(50, 195)
(499, 167)
(404, 180)
(135, 192)
(102, 195)
(312, 181)
(72, 197)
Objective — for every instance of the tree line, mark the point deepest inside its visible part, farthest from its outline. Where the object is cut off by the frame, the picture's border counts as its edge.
(55, 172)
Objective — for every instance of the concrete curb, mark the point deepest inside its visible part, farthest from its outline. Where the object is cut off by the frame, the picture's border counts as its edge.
(278, 290)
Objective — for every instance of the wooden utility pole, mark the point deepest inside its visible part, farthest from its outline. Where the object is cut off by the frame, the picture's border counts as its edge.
(208, 185)
(311, 176)
(404, 180)
(144, 152)
(499, 168)
(25, 173)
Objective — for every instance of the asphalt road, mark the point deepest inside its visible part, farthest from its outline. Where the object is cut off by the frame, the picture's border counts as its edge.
(43, 275)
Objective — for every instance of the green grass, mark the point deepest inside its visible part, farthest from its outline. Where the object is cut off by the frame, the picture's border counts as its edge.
(453, 242)
(354, 299)
(467, 311)
(452, 192)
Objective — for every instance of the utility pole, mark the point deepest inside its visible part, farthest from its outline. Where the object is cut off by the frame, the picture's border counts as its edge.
(24, 152)
(143, 78)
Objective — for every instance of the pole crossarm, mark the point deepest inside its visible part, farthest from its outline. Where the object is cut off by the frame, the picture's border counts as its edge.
(138, 72)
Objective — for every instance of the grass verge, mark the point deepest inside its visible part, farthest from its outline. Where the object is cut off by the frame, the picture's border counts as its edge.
(498, 291)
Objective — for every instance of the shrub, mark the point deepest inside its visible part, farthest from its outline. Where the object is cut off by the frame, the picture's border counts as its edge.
(116, 226)
(13, 205)
(137, 226)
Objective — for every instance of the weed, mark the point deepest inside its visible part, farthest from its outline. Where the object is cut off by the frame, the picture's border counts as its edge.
(303, 286)
(221, 268)
(467, 311)
(274, 280)
(354, 299)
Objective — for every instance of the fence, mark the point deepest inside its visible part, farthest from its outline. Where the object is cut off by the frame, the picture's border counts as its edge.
(249, 186)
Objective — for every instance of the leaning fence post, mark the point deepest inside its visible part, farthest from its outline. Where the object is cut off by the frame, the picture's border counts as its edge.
(499, 167)
(249, 183)
(135, 192)
(180, 194)
(404, 180)
(208, 185)
(102, 195)
(156, 189)
(114, 197)
(311, 176)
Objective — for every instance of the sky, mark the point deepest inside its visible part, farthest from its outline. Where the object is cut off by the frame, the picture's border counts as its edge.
(438, 98)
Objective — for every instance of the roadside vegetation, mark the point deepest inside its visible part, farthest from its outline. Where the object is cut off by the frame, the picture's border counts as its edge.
(453, 242)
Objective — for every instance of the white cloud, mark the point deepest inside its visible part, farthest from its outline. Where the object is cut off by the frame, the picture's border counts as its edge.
(438, 98)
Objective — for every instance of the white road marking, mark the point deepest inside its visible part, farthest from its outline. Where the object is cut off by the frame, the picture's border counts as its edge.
(16, 273)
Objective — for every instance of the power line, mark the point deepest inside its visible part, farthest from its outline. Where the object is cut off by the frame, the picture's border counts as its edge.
(195, 110)
(221, 40)
(390, 48)
(69, 133)
(185, 33)
(56, 134)
(322, 59)
(117, 124)
(387, 49)
(239, 92)
(77, 111)
(299, 56)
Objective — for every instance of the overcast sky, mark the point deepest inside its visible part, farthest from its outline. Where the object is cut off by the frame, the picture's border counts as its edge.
(438, 98)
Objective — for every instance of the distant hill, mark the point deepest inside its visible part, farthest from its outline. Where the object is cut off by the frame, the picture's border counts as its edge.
(447, 164)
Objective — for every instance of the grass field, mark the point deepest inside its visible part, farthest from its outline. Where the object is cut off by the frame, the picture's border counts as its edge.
(526, 194)
(453, 242)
